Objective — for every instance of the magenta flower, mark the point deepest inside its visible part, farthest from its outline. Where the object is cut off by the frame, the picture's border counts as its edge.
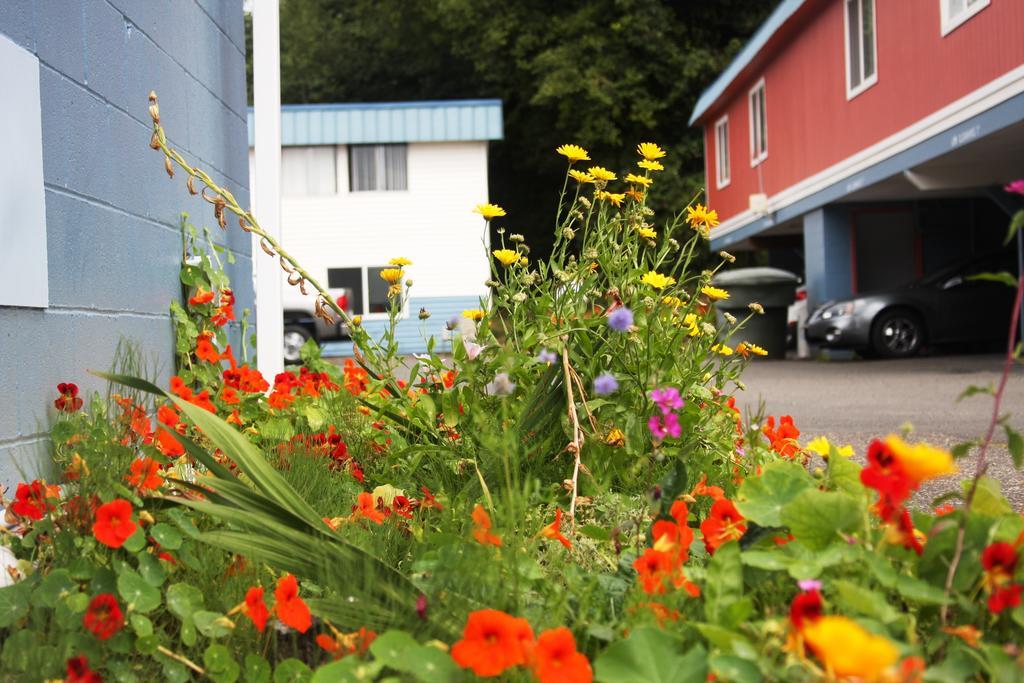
(1016, 187)
(667, 399)
(808, 585)
(666, 425)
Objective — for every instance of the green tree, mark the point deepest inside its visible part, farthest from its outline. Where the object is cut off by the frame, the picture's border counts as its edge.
(605, 74)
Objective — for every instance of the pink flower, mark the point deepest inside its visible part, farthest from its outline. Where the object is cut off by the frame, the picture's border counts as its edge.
(667, 425)
(1017, 187)
(668, 399)
(472, 349)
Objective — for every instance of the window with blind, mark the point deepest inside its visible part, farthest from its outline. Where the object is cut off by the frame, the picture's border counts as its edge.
(861, 70)
(722, 152)
(376, 168)
(309, 171)
(758, 125)
(956, 12)
(367, 292)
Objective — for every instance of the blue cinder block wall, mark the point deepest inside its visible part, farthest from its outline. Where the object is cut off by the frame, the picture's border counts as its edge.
(112, 213)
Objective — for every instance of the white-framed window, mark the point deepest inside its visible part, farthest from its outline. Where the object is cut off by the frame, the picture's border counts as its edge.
(376, 168)
(309, 171)
(722, 175)
(955, 12)
(861, 49)
(758, 124)
(366, 293)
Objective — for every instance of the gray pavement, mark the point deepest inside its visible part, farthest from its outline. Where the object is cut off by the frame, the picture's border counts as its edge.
(853, 402)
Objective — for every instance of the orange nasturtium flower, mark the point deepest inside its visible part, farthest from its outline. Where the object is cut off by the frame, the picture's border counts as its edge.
(724, 524)
(205, 350)
(366, 507)
(847, 650)
(290, 608)
(553, 530)
(145, 474)
(202, 296)
(482, 527)
(556, 660)
(256, 608)
(493, 642)
(114, 523)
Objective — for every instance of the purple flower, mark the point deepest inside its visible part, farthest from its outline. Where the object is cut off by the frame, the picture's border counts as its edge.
(605, 384)
(621, 319)
(667, 399)
(548, 357)
(1017, 187)
(808, 585)
(667, 425)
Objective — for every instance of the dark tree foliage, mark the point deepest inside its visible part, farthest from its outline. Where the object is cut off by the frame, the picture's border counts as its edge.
(604, 74)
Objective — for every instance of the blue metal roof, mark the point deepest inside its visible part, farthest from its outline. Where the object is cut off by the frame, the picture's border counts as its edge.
(430, 121)
(773, 23)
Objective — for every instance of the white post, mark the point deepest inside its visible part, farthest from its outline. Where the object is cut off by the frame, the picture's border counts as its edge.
(266, 190)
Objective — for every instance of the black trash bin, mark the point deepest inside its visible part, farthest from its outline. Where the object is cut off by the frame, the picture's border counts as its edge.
(774, 289)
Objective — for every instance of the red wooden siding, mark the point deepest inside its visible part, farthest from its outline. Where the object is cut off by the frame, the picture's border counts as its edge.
(812, 125)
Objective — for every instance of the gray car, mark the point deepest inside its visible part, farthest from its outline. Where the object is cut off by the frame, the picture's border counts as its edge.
(944, 307)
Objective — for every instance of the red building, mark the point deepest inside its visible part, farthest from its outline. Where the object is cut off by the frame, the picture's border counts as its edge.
(870, 137)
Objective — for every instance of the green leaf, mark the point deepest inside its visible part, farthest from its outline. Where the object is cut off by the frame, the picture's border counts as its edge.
(141, 625)
(147, 645)
(1016, 223)
(220, 665)
(1015, 444)
(853, 597)
(988, 498)
(761, 498)
(595, 532)
(183, 600)
(920, 591)
(136, 541)
(735, 669)
(348, 670)
(315, 416)
(292, 671)
(166, 535)
(974, 390)
(189, 635)
(151, 570)
(650, 655)
(14, 602)
(399, 651)
(816, 518)
(212, 624)
(255, 669)
(175, 672)
(961, 449)
(53, 587)
(844, 475)
(139, 595)
(724, 584)
(1003, 277)
(276, 428)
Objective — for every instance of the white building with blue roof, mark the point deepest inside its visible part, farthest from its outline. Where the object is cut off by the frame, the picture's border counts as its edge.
(364, 183)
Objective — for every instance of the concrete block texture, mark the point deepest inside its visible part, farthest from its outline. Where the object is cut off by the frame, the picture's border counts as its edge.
(112, 213)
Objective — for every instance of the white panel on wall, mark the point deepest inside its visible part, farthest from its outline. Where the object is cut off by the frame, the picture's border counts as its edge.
(23, 271)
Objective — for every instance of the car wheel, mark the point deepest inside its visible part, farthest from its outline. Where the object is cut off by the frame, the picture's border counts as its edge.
(294, 338)
(897, 334)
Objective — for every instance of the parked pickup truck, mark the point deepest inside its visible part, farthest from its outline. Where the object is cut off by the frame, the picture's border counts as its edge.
(300, 324)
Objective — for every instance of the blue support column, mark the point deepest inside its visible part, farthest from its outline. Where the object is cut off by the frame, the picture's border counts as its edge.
(828, 259)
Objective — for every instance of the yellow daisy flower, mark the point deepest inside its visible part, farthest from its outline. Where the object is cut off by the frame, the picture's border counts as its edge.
(507, 257)
(392, 275)
(638, 179)
(701, 218)
(650, 165)
(601, 173)
(921, 461)
(690, 321)
(657, 280)
(649, 233)
(523, 261)
(581, 176)
(649, 151)
(722, 349)
(474, 314)
(489, 211)
(635, 194)
(714, 293)
(611, 197)
(400, 261)
(746, 348)
(573, 153)
(848, 651)
(673, 301)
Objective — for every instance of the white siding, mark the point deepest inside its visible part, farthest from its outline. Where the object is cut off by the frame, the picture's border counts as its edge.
(431, 223)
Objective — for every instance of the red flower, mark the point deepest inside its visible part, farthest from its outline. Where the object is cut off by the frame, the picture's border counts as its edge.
(32, 500)
(290, 608)
(103, 617)
(68, 402)
(902, 532)
(78, 671)
(206, 351)
(783, 439)
(492, 642)
(1004, 598)
(999, 561)
(168, 444)
(202, 296)
(145, 474)
(114, 524)
(256, 607)
(553, 530)
(226, 310)
(428, 499)
(702, 489)
(482, 527)
(366, 507)
(555, 659)
(806, 607)
(653, 567)
(884, 474)
(229, 396)
(724, 524)
(402, 507)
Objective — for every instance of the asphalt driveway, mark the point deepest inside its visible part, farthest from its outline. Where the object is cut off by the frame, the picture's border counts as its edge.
(853, 402)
